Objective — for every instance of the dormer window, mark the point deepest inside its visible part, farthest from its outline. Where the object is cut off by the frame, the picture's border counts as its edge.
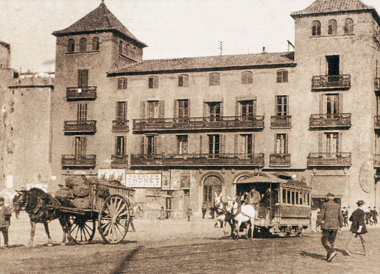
(214, 79)
(95, 43)
(71, 46)
(349, 26)
(332, 27)
(83, 44)
(316, 28)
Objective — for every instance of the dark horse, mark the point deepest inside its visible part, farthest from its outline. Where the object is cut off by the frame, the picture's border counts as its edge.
(42, 208)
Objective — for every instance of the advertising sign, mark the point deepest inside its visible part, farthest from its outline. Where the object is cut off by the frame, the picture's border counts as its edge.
(112, 174)
(143, 180)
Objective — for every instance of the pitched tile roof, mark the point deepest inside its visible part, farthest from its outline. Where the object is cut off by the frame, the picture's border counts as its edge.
(100, 19)
(328, 6)
(210, 63)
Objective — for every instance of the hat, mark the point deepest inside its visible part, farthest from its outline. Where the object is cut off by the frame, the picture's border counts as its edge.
(2, 199)
(330, 195)
(360, 203)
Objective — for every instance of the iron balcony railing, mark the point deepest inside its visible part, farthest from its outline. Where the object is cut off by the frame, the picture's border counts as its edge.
(119, 161)
(78, 94)
(120, 125)
(337, 120)
(377, 84)
(78, 161)
(200, 123)
(321, 82)
(198, 159)
(281, 121)
(338, 159)
(279, 159)
(80, 127)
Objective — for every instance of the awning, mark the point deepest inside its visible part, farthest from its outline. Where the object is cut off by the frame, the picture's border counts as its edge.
(261, 177)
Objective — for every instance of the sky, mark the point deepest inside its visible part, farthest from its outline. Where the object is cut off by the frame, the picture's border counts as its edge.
(170, 28)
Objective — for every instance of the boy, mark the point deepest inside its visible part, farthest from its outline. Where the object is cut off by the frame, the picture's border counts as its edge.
(5, 217)
(189, 213)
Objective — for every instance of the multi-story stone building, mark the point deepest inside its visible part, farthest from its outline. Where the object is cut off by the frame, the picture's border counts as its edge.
(183, 129)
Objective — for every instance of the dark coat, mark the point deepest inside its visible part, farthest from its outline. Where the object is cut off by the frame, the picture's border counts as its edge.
(5, 215)
(358, 219)
(332, 217)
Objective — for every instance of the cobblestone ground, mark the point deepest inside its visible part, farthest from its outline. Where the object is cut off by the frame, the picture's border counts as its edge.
(179, 246)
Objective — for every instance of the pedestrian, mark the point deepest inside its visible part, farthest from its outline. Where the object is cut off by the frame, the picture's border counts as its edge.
(358, 225)
(332, 221)
(319, 220)
(345, 216)
(204, 209)
(374, 215)
(162, 213)
(189, 213)
(5, 221)
(368, 216)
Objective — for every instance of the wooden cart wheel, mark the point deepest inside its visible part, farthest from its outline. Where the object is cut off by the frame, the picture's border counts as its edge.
(113, 219)
(82, 229)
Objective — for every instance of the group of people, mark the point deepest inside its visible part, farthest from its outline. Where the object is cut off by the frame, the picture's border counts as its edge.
(332, 220)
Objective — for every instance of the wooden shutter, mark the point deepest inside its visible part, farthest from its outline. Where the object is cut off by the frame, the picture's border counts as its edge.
(340, 142)
(142, 144)
(188, 107)
(201, 144)
(340, 103)
(322, 108)
(156, 144)
(162, 109)
(222, 143)
(175, 108)
(142, 109)
(236, 143)
(206, 110)
(320, 142)
(253, 143)
(221, 108)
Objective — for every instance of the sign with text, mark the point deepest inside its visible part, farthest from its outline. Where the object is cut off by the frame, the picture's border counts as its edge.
(112, 174)
(143, 180)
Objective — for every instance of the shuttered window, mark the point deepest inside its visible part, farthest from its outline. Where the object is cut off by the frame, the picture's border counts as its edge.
(82, 78)
(281, 146)
(316, 28)
(83, 45)
(282, 76)
(282, 105)
(153, 82)
(214, 79)
(183, 80)
(246, 77)
(120, 145)
(214, 146)
(80, 146)
(122, 83)
(82, 113)
(121, 110)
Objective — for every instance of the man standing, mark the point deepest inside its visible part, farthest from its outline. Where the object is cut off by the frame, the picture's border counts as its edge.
(345, 216)
(332, 221)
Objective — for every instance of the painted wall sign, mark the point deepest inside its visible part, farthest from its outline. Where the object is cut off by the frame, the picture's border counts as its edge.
(112, 174)
(366, 178)
(143, 180)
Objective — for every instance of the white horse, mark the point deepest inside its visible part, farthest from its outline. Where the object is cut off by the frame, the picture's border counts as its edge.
(221, 210)
(241, 213)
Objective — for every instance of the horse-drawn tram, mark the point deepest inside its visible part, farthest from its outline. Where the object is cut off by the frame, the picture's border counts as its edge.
(78, 205)
(282, 205)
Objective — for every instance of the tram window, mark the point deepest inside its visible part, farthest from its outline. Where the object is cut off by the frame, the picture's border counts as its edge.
(301, 200)
(297, 198)
(293, 198)
(284, 196)
(288, 201)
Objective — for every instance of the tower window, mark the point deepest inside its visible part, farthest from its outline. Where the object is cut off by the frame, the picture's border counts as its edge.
(348, 26)
(332, 27)
(83, 44)
(71, 46)
(316, 28)
(95, 43)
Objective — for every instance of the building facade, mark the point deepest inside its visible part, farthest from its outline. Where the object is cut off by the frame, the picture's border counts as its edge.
(180, 130)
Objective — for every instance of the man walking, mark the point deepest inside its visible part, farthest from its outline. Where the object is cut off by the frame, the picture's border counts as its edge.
(332, 221)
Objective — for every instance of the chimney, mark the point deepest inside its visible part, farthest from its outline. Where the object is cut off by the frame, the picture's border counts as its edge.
(264, 50)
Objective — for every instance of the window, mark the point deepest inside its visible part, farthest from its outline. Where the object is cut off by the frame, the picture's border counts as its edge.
(348, 26)
(282, 76)
(82, 78)
(288, 197)
(183, 80)
(150, 145)
(183, 110)
(82, 113)
(282, 105)
(182, 144)
(80, 147)
(121, 45)
(214, 110)
(127, 49)
(95, 43)
(332, 106)
(120, 146)
(332, 27)
(213, 148)
(332, 143)
(71, 46)
(248, 109)
(316, 28)
(83, 44)
(246, 144)
(281, 146)
(246, 77)
(122, 83)
(284, 196)
(121, 109)
(154, 109)
(214, 79)
(153, 82)
(333, 66)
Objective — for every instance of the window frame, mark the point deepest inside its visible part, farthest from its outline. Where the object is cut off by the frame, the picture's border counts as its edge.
(95, 44)
(183, 80)
(122, 83)
(83, 78)
(214, 79)
(83, 44)
(316, 28)
(282, 105)
(71, 45)
(247, 77)
(333, 27)
(348, 26)
(282, 76)
(120, 144)
(152, 82)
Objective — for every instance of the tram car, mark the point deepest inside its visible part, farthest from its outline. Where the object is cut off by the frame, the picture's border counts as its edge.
(284, 204)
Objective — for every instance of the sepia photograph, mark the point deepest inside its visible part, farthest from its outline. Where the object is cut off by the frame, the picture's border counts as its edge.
(189, 136)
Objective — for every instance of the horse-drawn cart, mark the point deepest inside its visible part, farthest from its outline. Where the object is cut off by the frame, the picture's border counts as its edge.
(110, 204)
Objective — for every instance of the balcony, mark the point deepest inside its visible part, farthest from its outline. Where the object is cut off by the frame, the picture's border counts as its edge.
(80, 127)
(199, 160)
(78, 161)
(80, 94)
(200, 123)
(279, 160)
(326, 82)
(120, 125)
(324, 121)
(339, 159)
(278, 121)
(377, 84)
(119, 161)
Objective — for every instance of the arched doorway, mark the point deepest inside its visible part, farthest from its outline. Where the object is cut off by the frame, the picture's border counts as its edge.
(212, 184)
